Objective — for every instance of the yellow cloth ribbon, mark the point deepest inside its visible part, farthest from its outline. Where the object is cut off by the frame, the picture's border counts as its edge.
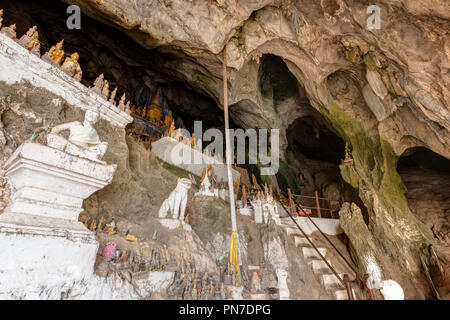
(234, 261)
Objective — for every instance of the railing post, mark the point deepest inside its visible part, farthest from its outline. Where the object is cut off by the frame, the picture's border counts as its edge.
(244, 196)
(348, 287)
(316, 194)
(365, 279)
(291, 206)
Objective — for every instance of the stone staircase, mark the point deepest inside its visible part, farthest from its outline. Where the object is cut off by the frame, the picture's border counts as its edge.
(317, 265)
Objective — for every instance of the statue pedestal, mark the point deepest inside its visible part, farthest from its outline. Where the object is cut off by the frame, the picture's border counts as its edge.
(42, 243)
(174, 224)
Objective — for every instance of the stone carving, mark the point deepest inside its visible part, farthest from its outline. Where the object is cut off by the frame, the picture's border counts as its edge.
(10, 31)
(83, 140)
(72, 67)
(391, 290)
(176, 203)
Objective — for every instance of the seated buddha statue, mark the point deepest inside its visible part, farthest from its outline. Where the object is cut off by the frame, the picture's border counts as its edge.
(34, 45)
(72, 67)
(83, 140)
(55, 54)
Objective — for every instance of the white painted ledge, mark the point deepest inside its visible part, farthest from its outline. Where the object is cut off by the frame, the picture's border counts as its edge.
(18, 64)
(170, 150)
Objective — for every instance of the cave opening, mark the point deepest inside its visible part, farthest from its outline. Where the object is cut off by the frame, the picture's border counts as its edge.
(426, 176)
(135, 71)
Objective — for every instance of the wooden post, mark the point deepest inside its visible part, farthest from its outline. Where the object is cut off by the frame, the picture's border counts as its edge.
(348, 287)
(244, 196)
(291, 207)
(316, 194)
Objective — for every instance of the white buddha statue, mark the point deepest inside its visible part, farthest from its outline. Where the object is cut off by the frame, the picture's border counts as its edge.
(83, 140)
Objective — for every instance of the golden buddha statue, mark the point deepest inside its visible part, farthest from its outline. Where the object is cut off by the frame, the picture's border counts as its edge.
(255, 184)
(34, 45)
(168, 121)
(144, 112)
(105, 89)
(72, 67)
(1, 17)
(193, 140)
(172, 128)
(57, 53)
(26, 38)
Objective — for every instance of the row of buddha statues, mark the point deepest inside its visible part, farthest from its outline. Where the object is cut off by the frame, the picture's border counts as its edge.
(56, 54)
(101, 87)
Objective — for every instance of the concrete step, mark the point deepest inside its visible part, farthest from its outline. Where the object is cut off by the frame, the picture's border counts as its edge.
(311, 253)
(301, 242)
(320, 267)
(342, 294)
(331, 282)
(293, 231)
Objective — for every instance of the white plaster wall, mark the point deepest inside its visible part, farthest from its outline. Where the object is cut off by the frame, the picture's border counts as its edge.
(328, 226)
(17, 64)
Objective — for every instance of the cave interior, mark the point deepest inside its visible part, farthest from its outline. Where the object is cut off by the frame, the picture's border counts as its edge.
(314, 149)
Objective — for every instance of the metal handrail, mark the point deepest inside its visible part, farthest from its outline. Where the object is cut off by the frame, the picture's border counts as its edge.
(315, 248)
(329, 241)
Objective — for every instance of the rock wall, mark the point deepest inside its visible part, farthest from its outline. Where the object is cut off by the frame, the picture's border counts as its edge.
(383, 90)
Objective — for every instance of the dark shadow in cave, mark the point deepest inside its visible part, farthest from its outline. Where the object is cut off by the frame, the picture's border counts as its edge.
(275, 81)
(136, 71)
(313, 138)
(426, 176)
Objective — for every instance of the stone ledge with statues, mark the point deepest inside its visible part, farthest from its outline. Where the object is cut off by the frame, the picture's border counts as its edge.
(169, 149)
(18, 64)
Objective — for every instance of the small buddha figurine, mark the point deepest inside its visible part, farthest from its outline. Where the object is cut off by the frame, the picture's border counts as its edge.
(121, 105)
(127, 108)
(144, 112)
(72, 67)
(34, 45)
(26, 38)
(55, 54)
(1, 17)
(348, 159)
(172, 128)
(105, 89)
(113, 96)
(98, 85)
(193, 140)
(133, 110)
(10, 31)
